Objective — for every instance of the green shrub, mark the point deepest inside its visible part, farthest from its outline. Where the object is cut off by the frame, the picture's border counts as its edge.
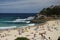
(54, 10)
(21, 38)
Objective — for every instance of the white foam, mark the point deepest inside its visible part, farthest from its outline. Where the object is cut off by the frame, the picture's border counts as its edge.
(29, 18)
(28, 22)
(18, 20)
(8, 27)
(31, 24)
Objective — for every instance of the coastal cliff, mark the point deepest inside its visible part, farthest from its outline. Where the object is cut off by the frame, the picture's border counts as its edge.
(50, 13)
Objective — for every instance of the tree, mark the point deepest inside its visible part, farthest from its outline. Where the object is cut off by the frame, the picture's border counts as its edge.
(21, 38)
(55, 10)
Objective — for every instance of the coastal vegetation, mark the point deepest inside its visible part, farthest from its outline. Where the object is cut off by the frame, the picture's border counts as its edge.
(52, 12)
(21, 38)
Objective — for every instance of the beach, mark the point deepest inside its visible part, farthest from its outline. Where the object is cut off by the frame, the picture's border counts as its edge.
(48, 31)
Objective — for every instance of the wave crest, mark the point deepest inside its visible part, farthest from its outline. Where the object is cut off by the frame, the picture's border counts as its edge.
(18, 20)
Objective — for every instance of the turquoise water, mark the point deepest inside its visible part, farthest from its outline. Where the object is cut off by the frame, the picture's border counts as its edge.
(15, 20)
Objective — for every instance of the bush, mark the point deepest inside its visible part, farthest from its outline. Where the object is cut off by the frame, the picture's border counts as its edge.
(54, 10)
(21, 38)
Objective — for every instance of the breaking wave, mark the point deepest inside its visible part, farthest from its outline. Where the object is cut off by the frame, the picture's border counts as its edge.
(18, 20)
(9, 27)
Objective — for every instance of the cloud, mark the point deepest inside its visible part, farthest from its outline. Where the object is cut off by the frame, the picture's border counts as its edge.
(26, 5)
(23, 3)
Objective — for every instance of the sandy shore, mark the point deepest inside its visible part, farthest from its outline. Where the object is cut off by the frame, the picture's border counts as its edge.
(49, 31)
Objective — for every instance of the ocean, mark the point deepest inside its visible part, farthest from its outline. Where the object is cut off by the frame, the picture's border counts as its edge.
(11, 20)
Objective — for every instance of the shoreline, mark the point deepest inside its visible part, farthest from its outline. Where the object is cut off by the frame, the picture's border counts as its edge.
(39, 24)
(34, 32)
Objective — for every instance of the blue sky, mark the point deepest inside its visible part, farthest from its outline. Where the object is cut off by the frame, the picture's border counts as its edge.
(25, 6)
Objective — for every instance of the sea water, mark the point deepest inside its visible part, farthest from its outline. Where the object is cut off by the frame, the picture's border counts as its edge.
(11, 20)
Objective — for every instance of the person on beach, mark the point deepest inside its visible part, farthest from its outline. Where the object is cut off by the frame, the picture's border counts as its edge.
(48, 27)
(18, 31)
(50, 38)
(43, 37)
(33, 38)
(34, 35)
(6, 39)
(59, 38)
(22, 31)
(56, 28)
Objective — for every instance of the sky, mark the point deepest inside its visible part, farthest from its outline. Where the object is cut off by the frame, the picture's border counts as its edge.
(25, 6)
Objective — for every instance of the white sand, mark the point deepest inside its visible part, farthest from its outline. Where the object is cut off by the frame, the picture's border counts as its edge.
(50, 29)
